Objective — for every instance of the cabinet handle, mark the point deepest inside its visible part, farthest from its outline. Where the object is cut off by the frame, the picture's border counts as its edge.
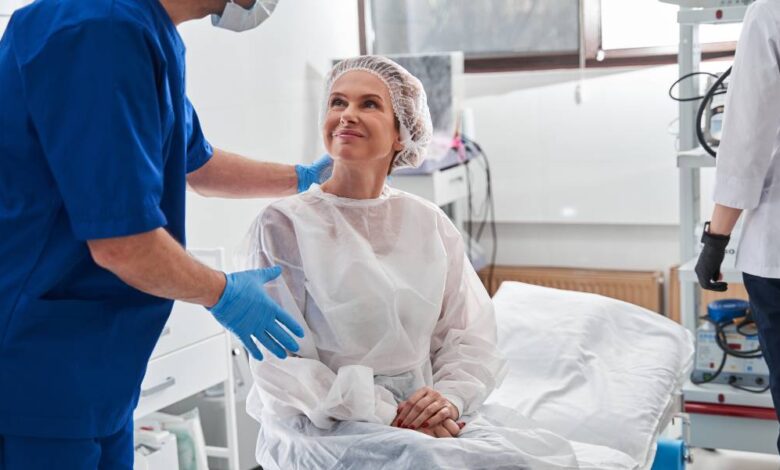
(165, 331)
(456, 179)
(167, 383)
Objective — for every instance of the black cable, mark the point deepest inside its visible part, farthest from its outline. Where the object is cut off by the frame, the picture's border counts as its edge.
(469, 223)
(743, 325)
(714, 374)
(720, 336)
(733, 383)
(703, 107)
(692, 98)
(485, 212)
(493, 230)
(491, 212)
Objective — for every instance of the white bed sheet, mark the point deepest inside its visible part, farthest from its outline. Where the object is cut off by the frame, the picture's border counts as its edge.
(590, 368)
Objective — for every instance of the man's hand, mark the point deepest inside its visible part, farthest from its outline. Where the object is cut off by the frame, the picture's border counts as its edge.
(426, 408)
(247, 311)
(710, 259)
(318, 172)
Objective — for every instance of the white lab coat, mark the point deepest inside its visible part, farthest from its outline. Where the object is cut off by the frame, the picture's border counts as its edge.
(389, 303)
(748, 169)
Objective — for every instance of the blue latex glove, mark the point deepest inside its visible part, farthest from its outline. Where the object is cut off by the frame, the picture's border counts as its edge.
(318, 172)
(247, 311)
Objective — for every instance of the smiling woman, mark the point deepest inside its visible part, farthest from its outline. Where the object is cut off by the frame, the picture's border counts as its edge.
(381, 96)
(360, 123)
(399, 351)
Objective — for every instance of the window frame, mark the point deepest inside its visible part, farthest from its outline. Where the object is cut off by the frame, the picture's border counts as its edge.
(642, 56)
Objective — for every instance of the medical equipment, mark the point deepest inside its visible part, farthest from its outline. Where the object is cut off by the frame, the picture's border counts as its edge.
(710, 109)
(727, 348)
(708, 3)
(713, 111)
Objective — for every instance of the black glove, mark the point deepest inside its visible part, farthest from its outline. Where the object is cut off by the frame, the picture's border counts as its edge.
(710, 259)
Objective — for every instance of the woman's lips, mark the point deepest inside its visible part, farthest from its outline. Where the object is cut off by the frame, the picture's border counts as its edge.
(347, 134)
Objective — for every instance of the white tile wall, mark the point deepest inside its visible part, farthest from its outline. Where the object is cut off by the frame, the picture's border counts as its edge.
(591, 185)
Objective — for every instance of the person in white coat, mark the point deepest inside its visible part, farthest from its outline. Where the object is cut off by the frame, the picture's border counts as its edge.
(748, 180)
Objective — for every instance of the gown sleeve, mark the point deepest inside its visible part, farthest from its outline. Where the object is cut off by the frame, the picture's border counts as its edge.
(302, 384)
(752, 119)
(466, 363)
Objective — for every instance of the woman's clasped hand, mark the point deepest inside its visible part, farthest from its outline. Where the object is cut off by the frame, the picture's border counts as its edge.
(428, 412)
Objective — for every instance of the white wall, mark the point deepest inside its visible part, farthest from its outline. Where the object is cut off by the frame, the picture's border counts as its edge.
(590, 185)
(607, 164)
(257, 93)
(596, 162)
(582, 185)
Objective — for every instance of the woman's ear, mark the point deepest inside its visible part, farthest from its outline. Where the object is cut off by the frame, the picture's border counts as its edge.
(397, 145)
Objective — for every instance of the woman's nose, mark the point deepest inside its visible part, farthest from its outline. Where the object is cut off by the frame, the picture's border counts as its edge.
(348, 115)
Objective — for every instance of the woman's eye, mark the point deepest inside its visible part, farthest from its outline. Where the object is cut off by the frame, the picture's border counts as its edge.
(336, 102)
(371, 104)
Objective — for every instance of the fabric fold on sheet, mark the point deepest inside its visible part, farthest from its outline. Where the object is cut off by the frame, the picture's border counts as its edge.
(594, 369)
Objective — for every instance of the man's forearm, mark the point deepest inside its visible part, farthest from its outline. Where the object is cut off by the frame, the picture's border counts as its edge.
(233, 176)
(724, 219)
(153, 262)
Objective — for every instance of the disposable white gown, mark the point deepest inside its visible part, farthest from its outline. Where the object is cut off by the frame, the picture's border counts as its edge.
(389, 304)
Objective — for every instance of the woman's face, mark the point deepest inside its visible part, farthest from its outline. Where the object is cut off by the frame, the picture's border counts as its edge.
(360, 124)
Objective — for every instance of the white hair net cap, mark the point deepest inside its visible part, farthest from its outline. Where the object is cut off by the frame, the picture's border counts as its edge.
(410, 104)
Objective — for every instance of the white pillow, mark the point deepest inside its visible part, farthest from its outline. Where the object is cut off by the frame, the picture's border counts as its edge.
(590, 368)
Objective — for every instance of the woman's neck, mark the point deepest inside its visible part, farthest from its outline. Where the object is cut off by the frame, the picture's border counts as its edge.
(356, 180)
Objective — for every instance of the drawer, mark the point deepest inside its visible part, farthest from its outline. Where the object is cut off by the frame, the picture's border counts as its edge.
(188, 324)
(440, 187)
(450, 185)
(182, 373)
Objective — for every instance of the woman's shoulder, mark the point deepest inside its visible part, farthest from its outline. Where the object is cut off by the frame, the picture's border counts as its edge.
(416, 201)
(277, 218)
(424, 207)
(283, 207)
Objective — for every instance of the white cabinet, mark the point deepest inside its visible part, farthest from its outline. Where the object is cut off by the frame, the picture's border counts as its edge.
(192, 354)
(441, 187)
(447, 187)
(183, 373)
(187, 325)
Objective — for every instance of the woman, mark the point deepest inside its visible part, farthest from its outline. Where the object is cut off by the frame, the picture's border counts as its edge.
(399, 351)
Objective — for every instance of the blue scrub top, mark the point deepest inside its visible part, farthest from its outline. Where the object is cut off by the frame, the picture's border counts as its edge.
(96, 139)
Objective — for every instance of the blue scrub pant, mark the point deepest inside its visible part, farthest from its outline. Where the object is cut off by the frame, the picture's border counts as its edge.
(113, 452)
(765, 304)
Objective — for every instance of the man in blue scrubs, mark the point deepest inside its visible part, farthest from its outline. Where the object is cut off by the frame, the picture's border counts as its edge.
(98, 142)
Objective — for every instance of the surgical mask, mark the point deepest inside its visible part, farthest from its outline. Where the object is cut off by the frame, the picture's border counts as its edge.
(237, 18)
